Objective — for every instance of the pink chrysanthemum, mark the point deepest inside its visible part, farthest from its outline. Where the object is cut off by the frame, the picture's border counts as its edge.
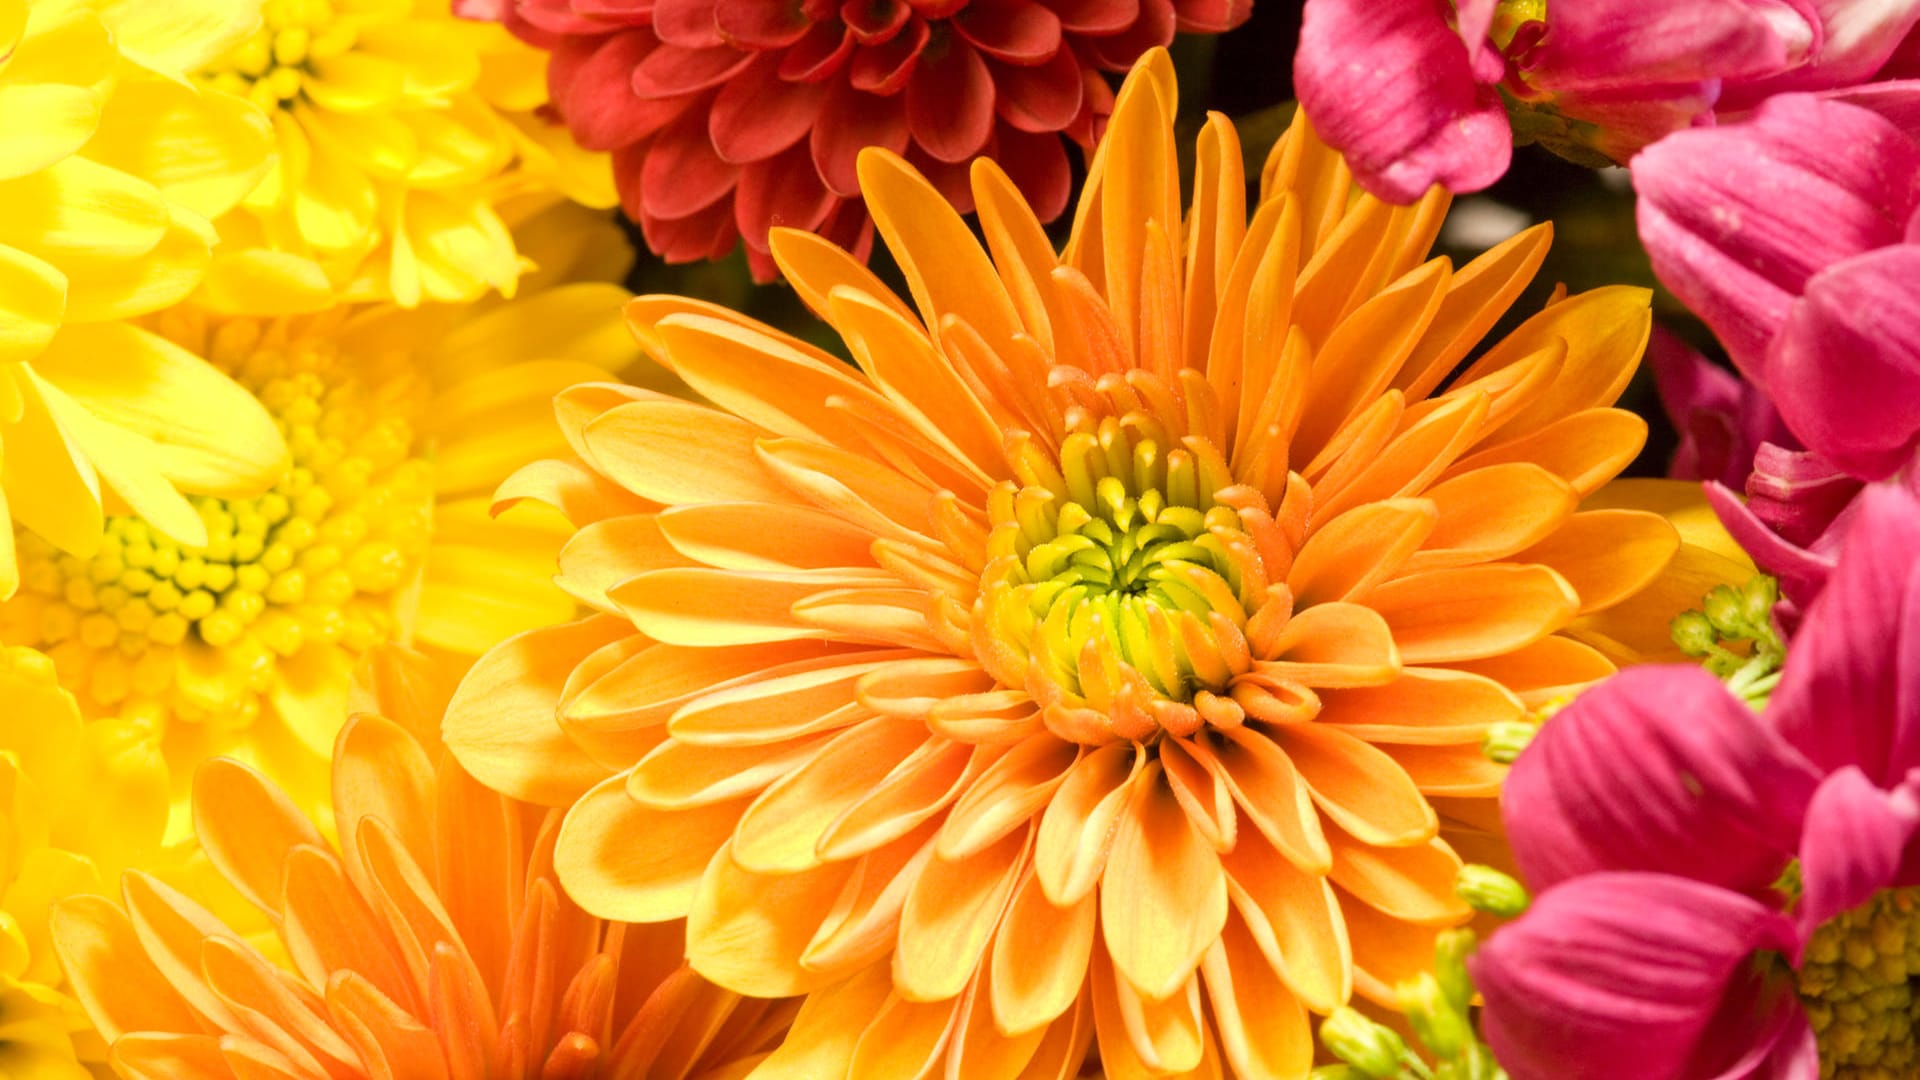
(728, 117)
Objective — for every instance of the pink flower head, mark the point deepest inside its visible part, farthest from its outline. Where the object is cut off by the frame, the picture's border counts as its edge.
(728, 117)
(1657, 812)
(1411, 90)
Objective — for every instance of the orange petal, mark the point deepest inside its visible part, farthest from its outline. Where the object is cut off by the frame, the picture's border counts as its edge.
(951, 913)
(802, 696)
(605, 871)
(1424, 705)
(829, 1025)
(782, 830)
(329, 928)
(680, 776)
(678, 452)
(1550, 668)
(1076, 829)
(1478, 295)
(145, 1055)
(1292, 917)
(1357, 362)
(1040, 958)
(709, 608)
(247, 826)
(1386, 950)
(1335, 645)
(1140, 1037)
(639, 684)
(392, 1043)
(815, 266)
(1008, 794)
(171, 930)
(864, 923)
(1605, 330)
(605, 553)
(1473, 612)
(110, 974)
(1263, 1027)
(747, 931)
(917, 789)
(977, 1048)
(279, 1010)
(1357, 550)
(1607, 555)
(1410, 461)
(905, 1039)
(1271, 793)
(1490, 513)
(1358, 786)
(1163, 897)
(1411, 884)
(380, 772)
(1586, 449)
(1458, 769)
(764, 536)
(500, 723)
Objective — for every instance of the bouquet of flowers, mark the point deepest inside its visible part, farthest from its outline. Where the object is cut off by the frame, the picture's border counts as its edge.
(961, 539)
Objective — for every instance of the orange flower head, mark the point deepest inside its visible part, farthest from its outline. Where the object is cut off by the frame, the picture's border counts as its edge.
(431, 944)
(1105, 661)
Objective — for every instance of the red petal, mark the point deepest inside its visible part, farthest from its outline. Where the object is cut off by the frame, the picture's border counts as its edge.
(850, 227)
(759, 24)
(937, 9)
(784, 191)
(1211, 16)
(555, 17)
(686, 23)
(950, 101)
(671, 71)
(626, 12)
(682, 175)
(709, 234)
(1095, 17)
(1016, 31)
(874, 22)
(1046, 98)
(1037, 164)
(852, 120)
(599, 104)
(1153, 27)
(818, 55)
(885, 69)
(759, 114)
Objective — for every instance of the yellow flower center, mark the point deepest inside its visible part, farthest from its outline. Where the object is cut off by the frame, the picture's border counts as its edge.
(272, 66)
(319, 560)
(1860, 984)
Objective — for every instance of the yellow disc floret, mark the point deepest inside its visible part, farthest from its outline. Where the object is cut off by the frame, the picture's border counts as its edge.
(147, 626)
(274, 65)
(1858, 982)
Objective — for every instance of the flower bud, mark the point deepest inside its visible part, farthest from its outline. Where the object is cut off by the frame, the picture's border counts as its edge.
(1489, 890)
(1374, 1050)
(1441, 1026)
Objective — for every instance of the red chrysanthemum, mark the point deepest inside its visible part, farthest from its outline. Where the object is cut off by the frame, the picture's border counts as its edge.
(729, 117)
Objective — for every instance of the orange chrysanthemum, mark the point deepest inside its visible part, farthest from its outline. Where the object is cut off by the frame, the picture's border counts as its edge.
(432, 943)
(1107, 659)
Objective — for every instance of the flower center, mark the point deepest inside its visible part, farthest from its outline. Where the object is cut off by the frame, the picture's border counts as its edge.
(1121, 579)
(273, 66)
(319, 560)
(1860, 983)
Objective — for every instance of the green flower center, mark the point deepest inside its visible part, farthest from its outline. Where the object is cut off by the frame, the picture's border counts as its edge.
(1860, 984)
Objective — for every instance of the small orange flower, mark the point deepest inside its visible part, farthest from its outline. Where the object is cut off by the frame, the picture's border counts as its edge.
(432, 942)
(1107, 659)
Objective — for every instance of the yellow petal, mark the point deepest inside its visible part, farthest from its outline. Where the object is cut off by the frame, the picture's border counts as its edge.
(33, 297)
(46, 122)
(178, 38)
(203, 150)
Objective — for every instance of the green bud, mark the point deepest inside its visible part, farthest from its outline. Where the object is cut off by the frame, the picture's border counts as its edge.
(1724, 611)
(1693, 633)
(1374, 1050)
(1450, 952)
(1443, 1028)
(1757, 598)
(1489, 890)
(1505, 740)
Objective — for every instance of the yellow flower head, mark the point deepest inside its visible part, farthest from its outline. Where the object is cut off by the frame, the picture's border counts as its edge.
(430, 943)
(111, 167)
(1105, 661)
(400, 131)
(74, 805)
(399, 424)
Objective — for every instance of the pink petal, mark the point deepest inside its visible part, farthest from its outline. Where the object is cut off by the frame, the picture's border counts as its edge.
(1896, 102)
(1850, 694)
(1737, 218)
(1802, 572)
(755, 24)
(1855, 838)
(1798, 493)
(950, 102)
(1390, 86)
(1722, 419)
(1616, 44)
(1013, 31)
(1846, 367)
(1630, 975)
(1658, 769)
(1857, 38)
(1474, 21)
(759, 114)
(850, 121)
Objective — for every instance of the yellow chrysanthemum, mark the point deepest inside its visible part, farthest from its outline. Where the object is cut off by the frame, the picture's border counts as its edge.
(1105, 661)
(430, 943)
(74, 805)
(110, 169)
(399, 423)
(400, 130)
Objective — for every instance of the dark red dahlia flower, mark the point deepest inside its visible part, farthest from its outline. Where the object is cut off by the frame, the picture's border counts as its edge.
(728, 117)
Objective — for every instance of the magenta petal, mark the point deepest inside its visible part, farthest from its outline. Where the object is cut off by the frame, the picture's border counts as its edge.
(1798, 493)
(1802, 572)
(1855, 837)
(1616, 44)
(1846, 367)
(1857, 40)
(1737, 218)
(1850, 694)
(1659, 769)
(1388, 84)
(1627, 975)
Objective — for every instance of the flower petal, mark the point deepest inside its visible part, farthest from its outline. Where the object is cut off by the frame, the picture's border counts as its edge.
(1854, 840)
